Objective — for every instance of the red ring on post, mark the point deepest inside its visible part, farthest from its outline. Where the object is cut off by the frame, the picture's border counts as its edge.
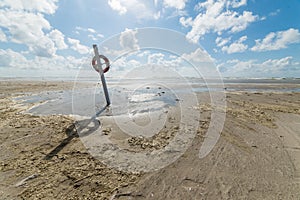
(95, 66)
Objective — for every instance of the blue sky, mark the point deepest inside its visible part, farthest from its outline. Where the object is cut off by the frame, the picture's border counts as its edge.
(244, 38)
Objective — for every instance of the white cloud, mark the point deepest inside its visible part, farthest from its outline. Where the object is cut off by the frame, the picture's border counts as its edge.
(24, 27)
(190, 64)
(99, 35)
(216, 16)
(123, 64)
(76, 46)
(44, 47)
(145, 9)
(16, 60)
(143, 53)
(91, 30)
(96, 37)
(9, 58)
(148, 61)
(164, 60)
(128, 43)
(58, 38)
(178, 4)
(156, 58)
(92, 33)
(283, 67)
(117, 6)
(41, 6)
(92, 37)
(79, 28)
(25, 24)
(197, 56)
(237, 3)
(128, 40)
(236, 46)
(2, 36)
(186, 22)
(263, 18)
(278, 63)
(141, 9)
(277, 40)
(222, 41)
(177, 13)
(202, 62)
(276, 12)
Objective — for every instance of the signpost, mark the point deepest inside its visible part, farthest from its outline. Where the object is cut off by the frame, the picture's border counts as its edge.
(97, 64)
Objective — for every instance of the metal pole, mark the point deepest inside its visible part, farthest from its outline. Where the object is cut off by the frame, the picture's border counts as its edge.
(101, 74)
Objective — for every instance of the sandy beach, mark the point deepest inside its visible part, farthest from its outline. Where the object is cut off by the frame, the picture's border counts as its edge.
(256, 157)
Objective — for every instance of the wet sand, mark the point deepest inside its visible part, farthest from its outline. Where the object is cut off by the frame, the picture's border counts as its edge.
(256, 157)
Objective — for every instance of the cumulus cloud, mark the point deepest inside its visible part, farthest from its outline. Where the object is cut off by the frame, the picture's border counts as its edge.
(124, 64)
(222, 41)
(186, 22)
(236, 46)
(92, 33)
(24, 27)
(277, 40)
(9, 58)
(156, 58)
(217, 16)
(202, 63)
(2, 36)
(178, 4)
(44, 47)
(41, 6)
(237, 3)
(17, 60)
(148, 61)
(197, 56)
(76, 46)
(25, 24)
(282, 67)
(117, 6)
(58, 38)
(127, 43)
(141, 9)
(128, 39)
(145, 9)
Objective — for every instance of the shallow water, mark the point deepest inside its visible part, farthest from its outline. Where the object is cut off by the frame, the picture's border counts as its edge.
(88, 101)
(137, 96)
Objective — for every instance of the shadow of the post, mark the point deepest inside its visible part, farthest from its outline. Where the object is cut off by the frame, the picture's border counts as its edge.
(76, 130)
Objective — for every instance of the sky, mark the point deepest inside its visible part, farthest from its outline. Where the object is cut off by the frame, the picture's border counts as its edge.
(242, 38)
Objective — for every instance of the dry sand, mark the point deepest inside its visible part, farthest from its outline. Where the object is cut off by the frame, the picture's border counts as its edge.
(256, 157)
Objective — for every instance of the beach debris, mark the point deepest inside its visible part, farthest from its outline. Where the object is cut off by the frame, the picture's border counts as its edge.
(257, 113)
(23, 181)
(18, 126)
(158, 141)
(106, 131)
